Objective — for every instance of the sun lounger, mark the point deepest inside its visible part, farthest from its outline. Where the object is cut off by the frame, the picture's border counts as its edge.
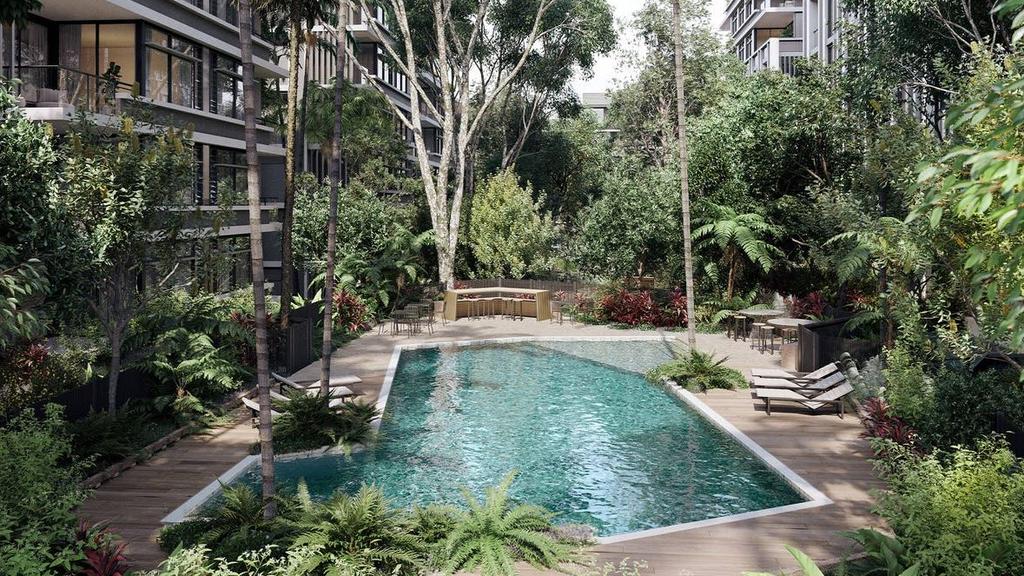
(333, 403)
(834, 397)
(336, 385)
(822, 372)
(255, 408)
(805, 386)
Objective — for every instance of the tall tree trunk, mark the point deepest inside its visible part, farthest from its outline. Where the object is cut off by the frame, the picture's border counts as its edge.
(300, 136)
(332, 215)
(115, 373)
(684, 176)
(287, 266)
(249, 89)
(731, 285)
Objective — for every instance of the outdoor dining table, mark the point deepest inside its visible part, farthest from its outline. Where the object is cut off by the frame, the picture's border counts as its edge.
(789, 322)
(761, 314)
(789, 351)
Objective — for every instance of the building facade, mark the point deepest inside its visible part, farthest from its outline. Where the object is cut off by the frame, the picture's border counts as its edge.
(774, 34)
(179, 61)
(372, 56)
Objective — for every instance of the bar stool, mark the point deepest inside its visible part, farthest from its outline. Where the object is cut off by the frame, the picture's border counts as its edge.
(739, 327)
(790, 335)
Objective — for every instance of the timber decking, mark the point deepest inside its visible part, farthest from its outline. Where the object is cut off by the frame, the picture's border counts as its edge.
(824, 449)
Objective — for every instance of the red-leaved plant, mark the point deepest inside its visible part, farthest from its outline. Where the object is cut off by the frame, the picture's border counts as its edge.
(879, 423)
(350, 313)
(103, 555)
(810, 306)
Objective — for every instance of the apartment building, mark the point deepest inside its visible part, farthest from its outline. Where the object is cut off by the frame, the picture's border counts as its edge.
(774, 34)
(179, 60)
(372, 56)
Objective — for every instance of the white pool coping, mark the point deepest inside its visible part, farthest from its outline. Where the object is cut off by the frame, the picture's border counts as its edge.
(814, 497)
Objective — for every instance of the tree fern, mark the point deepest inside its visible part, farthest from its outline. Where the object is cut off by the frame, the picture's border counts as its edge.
(493, 534)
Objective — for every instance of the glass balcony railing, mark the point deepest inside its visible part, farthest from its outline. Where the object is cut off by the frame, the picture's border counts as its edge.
(56, 87)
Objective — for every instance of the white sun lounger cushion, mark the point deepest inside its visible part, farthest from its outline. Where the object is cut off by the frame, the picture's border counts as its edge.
(334, 403)
(779, 373)
(819, 385)
(334, 381)
(814, 402)
(256, 407)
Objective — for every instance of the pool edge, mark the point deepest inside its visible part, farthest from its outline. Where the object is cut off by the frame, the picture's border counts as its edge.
(815, 498)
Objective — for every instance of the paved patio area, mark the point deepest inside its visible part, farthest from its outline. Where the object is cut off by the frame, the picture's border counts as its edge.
(823, 449)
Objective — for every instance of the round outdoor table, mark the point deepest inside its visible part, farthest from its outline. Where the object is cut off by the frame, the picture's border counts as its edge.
(789, 322)
(761, 315)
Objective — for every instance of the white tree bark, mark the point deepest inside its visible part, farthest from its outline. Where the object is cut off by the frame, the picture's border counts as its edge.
(460, 120)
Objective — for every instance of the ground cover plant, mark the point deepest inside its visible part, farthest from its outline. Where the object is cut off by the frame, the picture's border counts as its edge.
(698, 371)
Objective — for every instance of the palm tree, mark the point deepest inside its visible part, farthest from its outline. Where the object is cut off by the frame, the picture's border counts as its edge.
(741, 238)
(357, 535)
(249, 91)
(332, 214)
(299, 14)
(491, 536)
(684, 171)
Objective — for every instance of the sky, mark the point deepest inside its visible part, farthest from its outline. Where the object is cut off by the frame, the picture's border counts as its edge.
(610, 69)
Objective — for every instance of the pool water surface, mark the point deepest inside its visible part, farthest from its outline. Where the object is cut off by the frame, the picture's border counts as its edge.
(591, 439)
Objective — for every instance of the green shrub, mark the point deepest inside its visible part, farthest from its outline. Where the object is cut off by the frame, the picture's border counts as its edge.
(102, 439)
(38, 491)
(958, 514)
(699, 371)
(309, 423)
(966, 403)
(908, 389)
(32, 373)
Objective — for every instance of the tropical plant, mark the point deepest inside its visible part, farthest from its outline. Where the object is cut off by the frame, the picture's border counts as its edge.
(189, 367)
(742, 238)
(310, 423)
(491, 536)
(381, 279)
(358, 535)
(880, 424)
(699, 371)
(508, 234)
(957, 513)
(39, 491)
(22, 286)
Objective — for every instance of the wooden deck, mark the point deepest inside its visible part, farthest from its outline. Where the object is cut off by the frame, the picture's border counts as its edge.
(823, 449)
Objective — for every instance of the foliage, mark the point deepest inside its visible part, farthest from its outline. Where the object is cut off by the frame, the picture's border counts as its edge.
(267, 561)
(884, 554)
(491, 536)
(22, 286)
(632, 228)
(369, 126)
(358, 535)
(958, 513)
(642, 308)
(102, 438)
(350, 313)
(966, 404)
(187, 367)
(739, 237)
(366, 218)
(809, 568)
(909, 390)
(509, 236)
(309, 423)
(880, 424)
(698, 371)
(38, 493)
(31, 373)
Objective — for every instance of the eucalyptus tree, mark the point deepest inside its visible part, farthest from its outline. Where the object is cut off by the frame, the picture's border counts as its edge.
(252, 160)
(448, 42)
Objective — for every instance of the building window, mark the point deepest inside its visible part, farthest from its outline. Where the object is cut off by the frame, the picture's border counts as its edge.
(389, 73)
(173, 69)
(226, 87)
(226, 10)
(228, 177)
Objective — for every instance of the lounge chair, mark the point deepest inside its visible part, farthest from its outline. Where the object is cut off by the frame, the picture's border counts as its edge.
(812, 386)
(333, 403)
(336, 385)
(833, 397)
(818, 374)
(255, 408)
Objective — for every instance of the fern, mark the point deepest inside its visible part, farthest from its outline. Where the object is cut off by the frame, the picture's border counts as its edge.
(492, 535)
(696, 370)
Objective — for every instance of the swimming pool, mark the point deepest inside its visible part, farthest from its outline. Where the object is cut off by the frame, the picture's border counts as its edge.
(592, 440)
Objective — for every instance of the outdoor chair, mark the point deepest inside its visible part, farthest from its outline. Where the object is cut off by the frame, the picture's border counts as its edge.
(803, 386)
(759, 336)
(255, 409)
(833, 397)
(779, 373)
(739, 326)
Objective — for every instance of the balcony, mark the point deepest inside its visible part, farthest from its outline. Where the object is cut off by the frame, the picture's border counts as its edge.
(777, 54)
(68, 90)
(762, 14)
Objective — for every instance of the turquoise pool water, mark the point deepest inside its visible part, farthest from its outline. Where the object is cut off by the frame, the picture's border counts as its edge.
(591, 439)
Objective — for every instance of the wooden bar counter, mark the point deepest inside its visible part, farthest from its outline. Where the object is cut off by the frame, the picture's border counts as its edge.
(456, 305)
